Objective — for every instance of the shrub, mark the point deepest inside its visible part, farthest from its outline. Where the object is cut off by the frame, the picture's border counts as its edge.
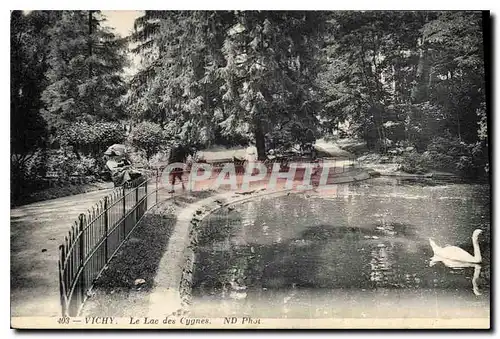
(449, 154)
(35, 168)
(31, 176)
(148, 137)
(26, 174)
(92, 138)
(289, 135)
(415, 163)
(65, 163)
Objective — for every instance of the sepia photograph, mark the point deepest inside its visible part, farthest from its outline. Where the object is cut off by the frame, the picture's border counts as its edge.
(250, 169)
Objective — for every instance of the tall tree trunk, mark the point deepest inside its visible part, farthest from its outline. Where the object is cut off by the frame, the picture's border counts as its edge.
(393, 84)
(420, 90)
(89, 46)
(260, 142)
(89, 43)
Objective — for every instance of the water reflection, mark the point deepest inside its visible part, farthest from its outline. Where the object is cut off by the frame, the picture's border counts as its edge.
(458, 265)
(282, 253)
(380, 263)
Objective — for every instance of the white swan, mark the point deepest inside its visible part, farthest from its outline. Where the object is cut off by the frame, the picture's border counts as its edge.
(455, 253)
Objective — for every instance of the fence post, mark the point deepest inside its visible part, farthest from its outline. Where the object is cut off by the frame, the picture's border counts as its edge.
(136, 204)
(106, 228)
(157, 179)
(124, 212)
(62, 282)
(82, 256)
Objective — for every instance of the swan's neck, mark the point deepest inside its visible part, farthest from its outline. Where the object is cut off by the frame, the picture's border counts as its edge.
(477, 251)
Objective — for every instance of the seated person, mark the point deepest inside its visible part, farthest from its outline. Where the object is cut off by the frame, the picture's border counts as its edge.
(120, 168)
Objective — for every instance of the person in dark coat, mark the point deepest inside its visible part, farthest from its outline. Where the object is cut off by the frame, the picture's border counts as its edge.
(178, 153)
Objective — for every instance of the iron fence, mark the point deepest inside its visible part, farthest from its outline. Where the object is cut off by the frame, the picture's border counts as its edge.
(337, 165)
(97, 236)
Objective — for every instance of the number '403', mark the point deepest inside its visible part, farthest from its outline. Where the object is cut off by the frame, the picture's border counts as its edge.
(63, 320)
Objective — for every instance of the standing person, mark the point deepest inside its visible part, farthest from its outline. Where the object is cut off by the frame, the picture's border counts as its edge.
(178, 153)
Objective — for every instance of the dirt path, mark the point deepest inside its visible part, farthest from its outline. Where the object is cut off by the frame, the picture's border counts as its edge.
(36, 231)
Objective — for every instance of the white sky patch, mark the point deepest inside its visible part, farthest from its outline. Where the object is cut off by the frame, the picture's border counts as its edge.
(123, 24)
(122, 21)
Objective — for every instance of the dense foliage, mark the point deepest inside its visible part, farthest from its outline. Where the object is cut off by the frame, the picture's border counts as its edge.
(86, 62)
(410, 84)
(403, 78)
(212, 75)
(28, 132)
(92, 138)
(149, 137)
(66, 82)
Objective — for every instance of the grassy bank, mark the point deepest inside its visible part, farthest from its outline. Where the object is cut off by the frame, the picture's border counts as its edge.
(118, 292)
(123, 288)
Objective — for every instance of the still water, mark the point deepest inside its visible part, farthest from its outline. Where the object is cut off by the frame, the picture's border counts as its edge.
(362, 251)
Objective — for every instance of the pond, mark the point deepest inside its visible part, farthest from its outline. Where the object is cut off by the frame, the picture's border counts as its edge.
(362, 251)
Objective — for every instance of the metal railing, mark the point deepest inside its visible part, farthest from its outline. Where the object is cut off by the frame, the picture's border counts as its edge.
(97, 236)
(338, 166)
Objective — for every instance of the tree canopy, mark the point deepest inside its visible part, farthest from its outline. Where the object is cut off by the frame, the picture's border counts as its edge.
(397, 79)
(239, 74)
(86, 61)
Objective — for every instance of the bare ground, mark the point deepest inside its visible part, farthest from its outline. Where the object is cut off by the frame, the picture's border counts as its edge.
(36, 231)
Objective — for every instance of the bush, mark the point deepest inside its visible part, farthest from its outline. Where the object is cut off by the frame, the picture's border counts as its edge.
(36, 167)
(415, 163)
(148, 137)
(449, 154)
(29, 181)
(289, 135)
(92, 138)
(26, 174)
(65, 163)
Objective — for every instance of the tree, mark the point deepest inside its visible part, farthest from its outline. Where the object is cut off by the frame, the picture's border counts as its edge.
(420, 72)
(28, 39)
(86, 61)
(272, 62)
(372, 66)
(455, 41)
(177, 85)
(228, 74)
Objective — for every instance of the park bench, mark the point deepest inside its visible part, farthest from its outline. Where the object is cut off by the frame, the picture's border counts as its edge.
(51, 177)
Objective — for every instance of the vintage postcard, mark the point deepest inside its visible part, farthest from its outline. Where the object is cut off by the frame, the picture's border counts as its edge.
(250, 169)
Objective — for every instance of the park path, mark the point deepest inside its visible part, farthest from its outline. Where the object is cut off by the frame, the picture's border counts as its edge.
(36, 231)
